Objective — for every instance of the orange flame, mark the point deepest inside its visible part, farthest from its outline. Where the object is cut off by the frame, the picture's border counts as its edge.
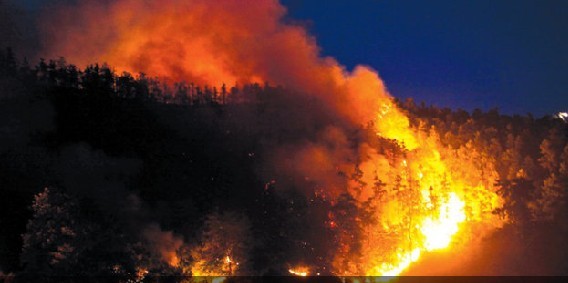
(299, 271)
(438, 232)
(434, 216)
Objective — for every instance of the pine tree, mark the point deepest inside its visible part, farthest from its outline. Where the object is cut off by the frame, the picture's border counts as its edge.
(346, 216)
(54, 236)
(225, 246)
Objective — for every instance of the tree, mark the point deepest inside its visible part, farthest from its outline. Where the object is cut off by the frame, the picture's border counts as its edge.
(518, 196)
(8, 64)
(549, 158)
(563, 183)
(224, 248)
(54, 236)
(346, 218)
(550, 199)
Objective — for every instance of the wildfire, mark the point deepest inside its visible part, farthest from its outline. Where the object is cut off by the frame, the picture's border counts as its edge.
(431, 191)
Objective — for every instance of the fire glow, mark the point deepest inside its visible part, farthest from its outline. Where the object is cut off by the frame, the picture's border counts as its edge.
(435, 193)
(437, 227)
(299, 271)
(439, 232)
(438, 235)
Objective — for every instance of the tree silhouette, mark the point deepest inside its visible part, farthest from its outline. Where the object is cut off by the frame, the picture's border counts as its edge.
(55, 236)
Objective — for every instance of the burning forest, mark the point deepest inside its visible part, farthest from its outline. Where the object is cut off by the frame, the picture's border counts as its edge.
(211, 140)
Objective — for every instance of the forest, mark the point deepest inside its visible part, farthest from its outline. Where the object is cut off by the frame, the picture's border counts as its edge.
(130, 176)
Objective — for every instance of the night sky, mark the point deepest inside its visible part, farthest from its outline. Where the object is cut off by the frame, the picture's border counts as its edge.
(507, 54)
(510, 54)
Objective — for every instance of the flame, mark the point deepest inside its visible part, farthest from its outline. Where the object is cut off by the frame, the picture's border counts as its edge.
(299, 271)
(439, 232)
(404, 260)
(438, 235)
(447, 197)
(141, 272)
(394, 125)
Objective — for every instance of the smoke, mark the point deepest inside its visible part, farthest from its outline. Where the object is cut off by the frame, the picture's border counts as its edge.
(210, 42)
(235, 42)
(315, 164)
(163, 243)
(93, 174)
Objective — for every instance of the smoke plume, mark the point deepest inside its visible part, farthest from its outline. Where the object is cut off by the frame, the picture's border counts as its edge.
(210, 42)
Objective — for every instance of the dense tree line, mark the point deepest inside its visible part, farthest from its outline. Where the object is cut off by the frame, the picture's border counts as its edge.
(95, 166)
(530, 155)
(528, 158)
(99, 155)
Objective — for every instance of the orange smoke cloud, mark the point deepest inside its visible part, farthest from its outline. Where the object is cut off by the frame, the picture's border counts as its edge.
(163, 243)
(210, 42)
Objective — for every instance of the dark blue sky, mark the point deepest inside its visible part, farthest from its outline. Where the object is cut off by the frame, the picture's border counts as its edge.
(510, 54)
(502, 53)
